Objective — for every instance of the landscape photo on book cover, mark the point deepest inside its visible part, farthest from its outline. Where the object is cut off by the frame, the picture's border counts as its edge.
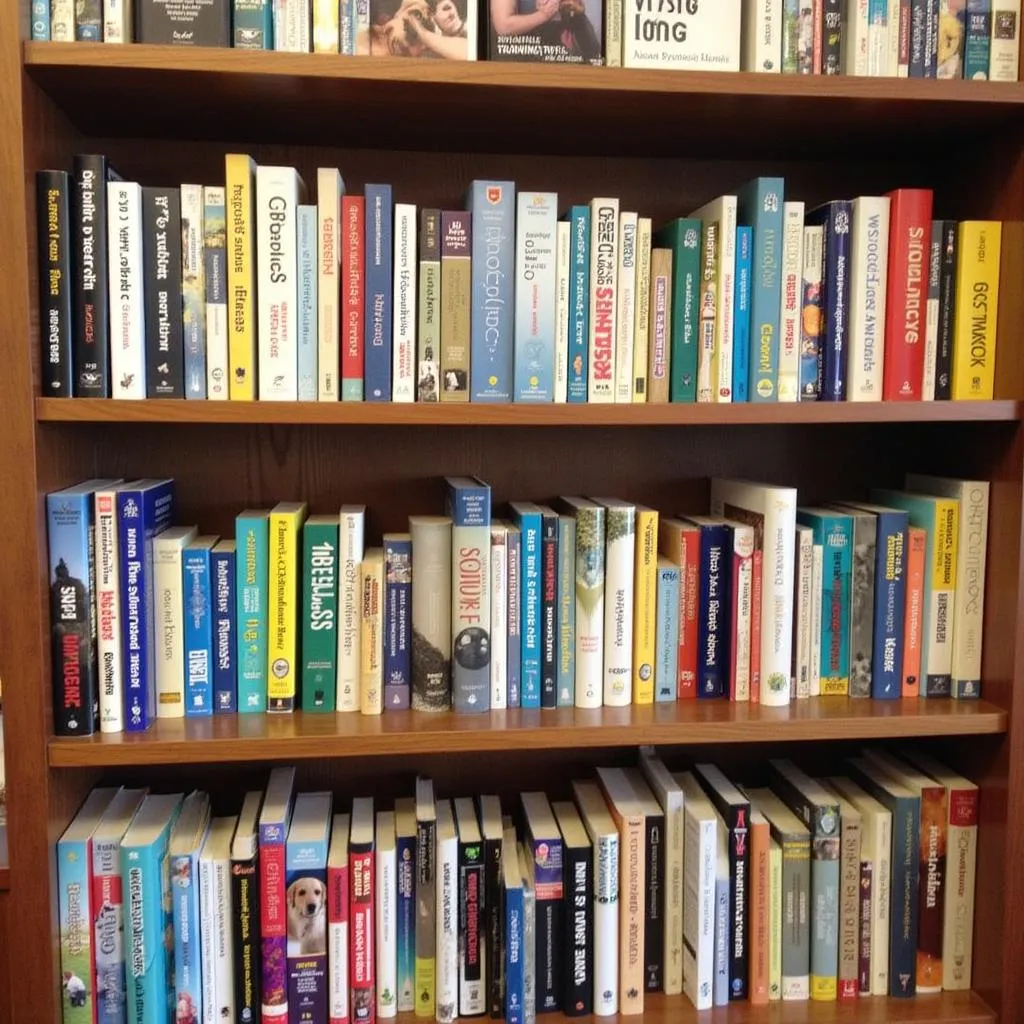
(418, 28)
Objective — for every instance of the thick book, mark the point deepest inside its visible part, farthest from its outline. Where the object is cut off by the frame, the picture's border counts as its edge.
(252, 23)
(223, 573)
(378, 293)
(533, 329)
(529, 519)
(371, 632)
(456, 304)
(275, 818)
(53, 217)
(625, 312)
(579, 303)
(760, 867)
(161, 269)
(319, 647)
(431, 538)
(513, 1007)
(397, 620)
(577, 912)
(713, 620)
(307, 340)
(812, 314)
(682, 238)
(543, 843)
(252, 587)
(362, 933)
(168, 600)
(245, 909)
(834, 218)
(655, 854)
(491, 832)
(620, 550)
(192, 23)
(977, 308)
(128, 317)
(849, 896)
(691, 38)
(679, 540)
(913, 621)
(945, 232)
(868, 277)
(789, 323)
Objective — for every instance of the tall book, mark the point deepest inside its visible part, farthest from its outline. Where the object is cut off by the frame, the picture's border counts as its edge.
(428, 343)
(371, 632)
(447, 901)
(789, 321)
(566, 683)
(330, 187)
(625, 313)
(513, 909)
(977, 308)
(397, 619)
(654, 882)
(338, 998)
(499, 616)
(456, 299)
(803, 576)
(240, 175)
(362, 933)
(579, 303)
(850, 897)
(426, 893)
(216, 915)
(405, 907)
(812, 323)
(403, 341)
(913, 622)
(945, 233)
(682, 238)
(252, 567)
(319, 645)
(641, 359)
(666, 669)
(679, 540)
(834, 219)
(197, 597)
(492, 834)
(252, 24)
(274, 821)
(760, 952)
(245, 905)
(548, 607)
(604, 246)
(385, 895)
(534, 322)
(128, 370)
(472, 987)
(161, 269)
(868, 276)
(306, 314)
(353, 289)
(286, 522)
(168, 597)
(378, 293)
(215, 291)
(577, 912)
(620, 549)
(351, 547)
(53, 206)
(713, 620)
(543, 843)
(431, 538)
(193, 290)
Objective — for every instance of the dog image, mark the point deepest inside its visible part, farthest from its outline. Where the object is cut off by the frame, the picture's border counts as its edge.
(307, 917)
(78, 994)
(399, 33)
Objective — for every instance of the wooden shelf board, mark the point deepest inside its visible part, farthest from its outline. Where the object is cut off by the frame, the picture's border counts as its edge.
(232, 738)
(393, 103)
(108, 410)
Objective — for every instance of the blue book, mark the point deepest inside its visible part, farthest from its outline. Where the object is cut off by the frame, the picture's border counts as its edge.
(535, 286)
(527, 517)
(515, 602)
(741, 319)
(721, 986)
(40, 20)
(197, 587)
(666, 657)
(566, 611)
(759, 204)
(379, 285)
(918, 38)
(185, 845)
(579, 301)
(713, 611)
(144, 509)
(225, 655)
(834, 218)
(397, 620)
(275, 819)
(306, 225)
(492, 207)
(252, 582)
(146, 884)
(977, 38)
(515, 918)
(405, 856)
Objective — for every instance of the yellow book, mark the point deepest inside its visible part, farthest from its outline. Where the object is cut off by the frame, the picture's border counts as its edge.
(283, 648)
(240, 199)
(977, 308)
(326, 31)
(645, 602)
(371, 682)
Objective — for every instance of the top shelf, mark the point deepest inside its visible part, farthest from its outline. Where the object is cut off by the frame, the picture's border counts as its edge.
(403, 103)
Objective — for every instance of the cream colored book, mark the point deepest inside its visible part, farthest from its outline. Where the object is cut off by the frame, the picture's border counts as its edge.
(625, 328)
(352, 520)
(641, 334)
(168, 607)
(371, 683)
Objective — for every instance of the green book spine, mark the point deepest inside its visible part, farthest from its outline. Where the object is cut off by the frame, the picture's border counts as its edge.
(319, 613)
(683, 236)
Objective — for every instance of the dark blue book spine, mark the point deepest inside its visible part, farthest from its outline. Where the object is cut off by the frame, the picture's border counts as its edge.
(515, 944)
(379, 214)
(835, 217)
(397, 622)
(918, 38)
(931, 39)
(515, 598)
(713, 621)
(225, 691)
(890, 596)
(579, 301)
(549, 610)
(405, 852)
(903, 903)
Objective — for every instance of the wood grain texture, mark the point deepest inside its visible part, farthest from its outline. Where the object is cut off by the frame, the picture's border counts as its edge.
(5, 884)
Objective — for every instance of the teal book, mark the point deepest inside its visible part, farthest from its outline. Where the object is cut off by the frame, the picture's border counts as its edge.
(566, 617)
(146, 882)
(252, 24)
(319, 650)
(759, 204)
(834, 532)
(252, 567)
(682, 236)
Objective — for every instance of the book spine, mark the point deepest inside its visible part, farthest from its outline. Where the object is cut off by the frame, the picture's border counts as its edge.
(306, 303)
(606, 925)
(77, 942)
(253, 24)
(940, 588)
(855, 35)
(817, 560)
(862, 603)
(796, 927)
(977, 39)
(338, 944)
(1004, 54)
(193, 297)
(740, 574)
(756, 596)
(739, 911)
(90, 319)
(385, 892)
(913, 623)
(326, 26)
(759, 914)
(223, 572)
(149, 987)
(667, 637)
(456, 295)
(136, 613)
(405, 913)
(849, 909)
(905, 893)
(903, 38)
(881, 912)
(403, 342)
(472, 937)
(579, 303)
(319, 649)
(974, 345)
(790, 37)
(961, 865)
(62, 21)
(128, 332)
(620, 551)
(204, 943)
(252, 567)
(631, 916)
(659, 341)
(108, 931)
(578, 918)
(890, 606)
(775, 923)
(471, 616)
(362, 936)
(530, 533)
(789, 325)
(426, 931)
(328, 291)
(721, 977)
(515, 613)
(371, 605)
(40, 30)
(836, 303)
(811, 313)
(837, 568)
(500, 641)
(282, 646)
(353, 291)
(292, 24)
(931, 333)
(766, 288)
(725, 317)
(431, 617)
(625, 313)
(641, 335)
(567, 611)
(215, 292)
(241, 264)
(590, 606)
(947, 230)
(868, 273)
(378, 309)
(350, 599)
(514, 1009)
(198, 607)
(864, 935)
(613, 34)
(689, 612)
(428, 353)
(932, 872)
(969, 595)
(535, 296)
(273, 922)
(686, 262)
(224, 955)
(713, 623)
(604, 247)
(53, 231)
(802, 626)
(446, 1007)
(397, 622)
(918, 38)
(654, 910)
(645, 605)
(549, 611)
(108, 614)
(707, 354)
(245, 903)
(168, 601)
(161, 258)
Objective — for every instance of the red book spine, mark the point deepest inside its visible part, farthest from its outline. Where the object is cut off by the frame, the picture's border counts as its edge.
(910, 217)
(337, 944)
(963, 807)
(364, 999)
(689, 606)
(818, 16)
(913, 623)
(352, 285)
(755, 627)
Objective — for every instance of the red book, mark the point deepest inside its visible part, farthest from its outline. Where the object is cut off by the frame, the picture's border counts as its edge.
(361, 934)
(913, 623)
(352, 286)
(337, 922)
(755, 626)
(910, 225)
(689, 607)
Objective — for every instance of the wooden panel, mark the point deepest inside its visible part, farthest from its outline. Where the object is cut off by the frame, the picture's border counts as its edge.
(6, 988)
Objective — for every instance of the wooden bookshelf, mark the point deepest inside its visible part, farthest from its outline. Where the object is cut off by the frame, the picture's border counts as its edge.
(5, 879)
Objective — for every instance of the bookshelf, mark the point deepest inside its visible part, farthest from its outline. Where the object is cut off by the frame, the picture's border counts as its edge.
(665, 140)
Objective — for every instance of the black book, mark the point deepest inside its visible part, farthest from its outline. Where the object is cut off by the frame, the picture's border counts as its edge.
(491, 830)
(548, 608)
(53, 215)
(654, 882)
(946, 230)
(734, 808)
(161, 261)
(185, 23)
(473, 997)
(544, 853)
(832, 37)
(577, 911)
(245, 909)
(90, 301)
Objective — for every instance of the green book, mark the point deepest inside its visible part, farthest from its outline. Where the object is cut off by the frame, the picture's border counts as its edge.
(319, 613)
(682, 236)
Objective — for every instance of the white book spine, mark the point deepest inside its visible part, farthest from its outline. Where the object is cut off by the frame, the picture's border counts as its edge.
(674, 889)
(215, 265)
(108, 614)
(931, 320)
(329, 190)
(641, 340)
(625, 326)
(292, 26)
(351, 549)
(878, 48)
(127, 316)
(590, 607)
(762, 36)
(403, 350)
(700, 839)
(207, 927)
(969, 596)
(606, 925)
(387, 933)
(447, 942)
(562, 243)
(792, 296)
(726, 312)
(869, 270)
(855, 38)
(620, 550)
(804, 577)
(168, 608)
(742, 581)
(223, 955)
(277, 198)
(118, 26)
(604, 230)
(499, 618)
(1004, 52)
(816, 585)
(881, 883)
(62, 21)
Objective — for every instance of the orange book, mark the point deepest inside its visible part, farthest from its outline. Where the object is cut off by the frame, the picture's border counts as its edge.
(913, 622)
(760, 908)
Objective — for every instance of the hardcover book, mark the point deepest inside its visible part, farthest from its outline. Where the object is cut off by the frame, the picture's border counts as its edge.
(577, 912)
(528, 518)
(431, 613)
(579, 302)
(573, 34)
(338, 921)
(974, 344)
(403, 352)
(620, 548)
(604, 244)
(654, 844)
(697, 37)
(188, 23)
(161, 259)
(53, 206)
(353, 288)
(330, 187)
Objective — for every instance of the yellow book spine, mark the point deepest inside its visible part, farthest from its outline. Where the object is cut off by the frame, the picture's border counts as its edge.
(774, 922)
(240, 173)
(326, 32)
(947, 528)
(425, 987)
(645, 601)
(282, 649)
(371, 684)
(977, 308)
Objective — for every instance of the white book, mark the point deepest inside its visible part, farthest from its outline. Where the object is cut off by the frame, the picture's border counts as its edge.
(536, 289)
(604, 264)
(619, 553)
(604, 838)
(700, 858)
(670, 797)
(741, 581)
(352, 524)
(855, 38)
(762, 36)
(641, 338)
(118, 23)
(625, 314)
(1004, 52)
(878, 46)
(330, 187)
(499, 616)
(277, 294)
(792, 299)
(215, 911)
(62, 21)
(292, 26)
(215, 286)
(403, 321)
(869, 269)
(386, 915)
(804, 573)
(446, 969)
(127, 312)
(337, 927)
(692, 36)
(108, 612)
(168, 595)
(817, 556)
(772, 511)
(563, 238)
(931, 320)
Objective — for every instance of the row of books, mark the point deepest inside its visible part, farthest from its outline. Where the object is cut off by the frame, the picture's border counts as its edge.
(175, 293)
(972, 39)
(587, 603)
(644, 881)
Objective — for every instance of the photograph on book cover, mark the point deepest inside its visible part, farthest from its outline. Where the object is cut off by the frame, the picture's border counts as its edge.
(549, 31)
(420, 28)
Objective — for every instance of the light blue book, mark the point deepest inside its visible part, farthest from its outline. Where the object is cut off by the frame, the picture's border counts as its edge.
(185, 845)
(721, 984)
(40, 20)
(566, 680)
(197, 584)
(666, 656)
(76, 914)
(741, 319)
(252, 561)
(534, 326)
(307, 282)
(527, 516)
(146, 881)
(579, 301)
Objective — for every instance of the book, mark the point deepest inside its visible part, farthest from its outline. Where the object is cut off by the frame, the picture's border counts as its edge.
(974, 341)
(362, 927)
(330, 187)
(240, 193)
(645, 598)
(760, 852)
(774, 920)
(253, 24)
(660, 325)
(378, 263)
(654, 852)
(579, 303)
(371, 632)
(472, 941)
(563, 232)
(292, 27)
(666, 670)
(245, 905)
(492, 837)
(456, 297)
(577, 912)
(641, 336)
(762, 37)
(625, 312)
(543, 844)
(193, 290)
(426, 894)
(620, 549)
(931, 334)
(215, 292)
(351, 528)
(307, 310)
(804, 569)
(529, 933)
(604, 248)
(286, 525)
(403, 343)
(385, 915)
(573, 36)
(714, 613)
(945, 232)
(680, 541)
(533, 328)
(191, 24)
(168, 599)
(850, 885)
(252, 567)
(216, 915)
(789, 319)
(319, 645)
(812, 316)
(513, 907)
(739, 608)
(53, 206)
(428, 341)
(913, 623)
(529, 519)
(447, 902)
(397, 619)
(274, 821)
(405, 909)
(682, 238)
(723, 891)
(1004, 57)
(566, 681)
(161, 270)
(338, 882)
(977, 38)
(353, 290)
(868, 276)
(834, 219)
(431, 612)
(548, 607)
(692, 39)
(197, 568)
(707, 353)
(128, 370)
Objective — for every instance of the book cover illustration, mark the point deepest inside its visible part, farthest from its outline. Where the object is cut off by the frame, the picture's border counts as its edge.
(438, 29)
(547, 31)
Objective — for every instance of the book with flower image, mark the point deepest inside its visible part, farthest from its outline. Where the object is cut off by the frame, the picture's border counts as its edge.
(441, 29)
(546, 31)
